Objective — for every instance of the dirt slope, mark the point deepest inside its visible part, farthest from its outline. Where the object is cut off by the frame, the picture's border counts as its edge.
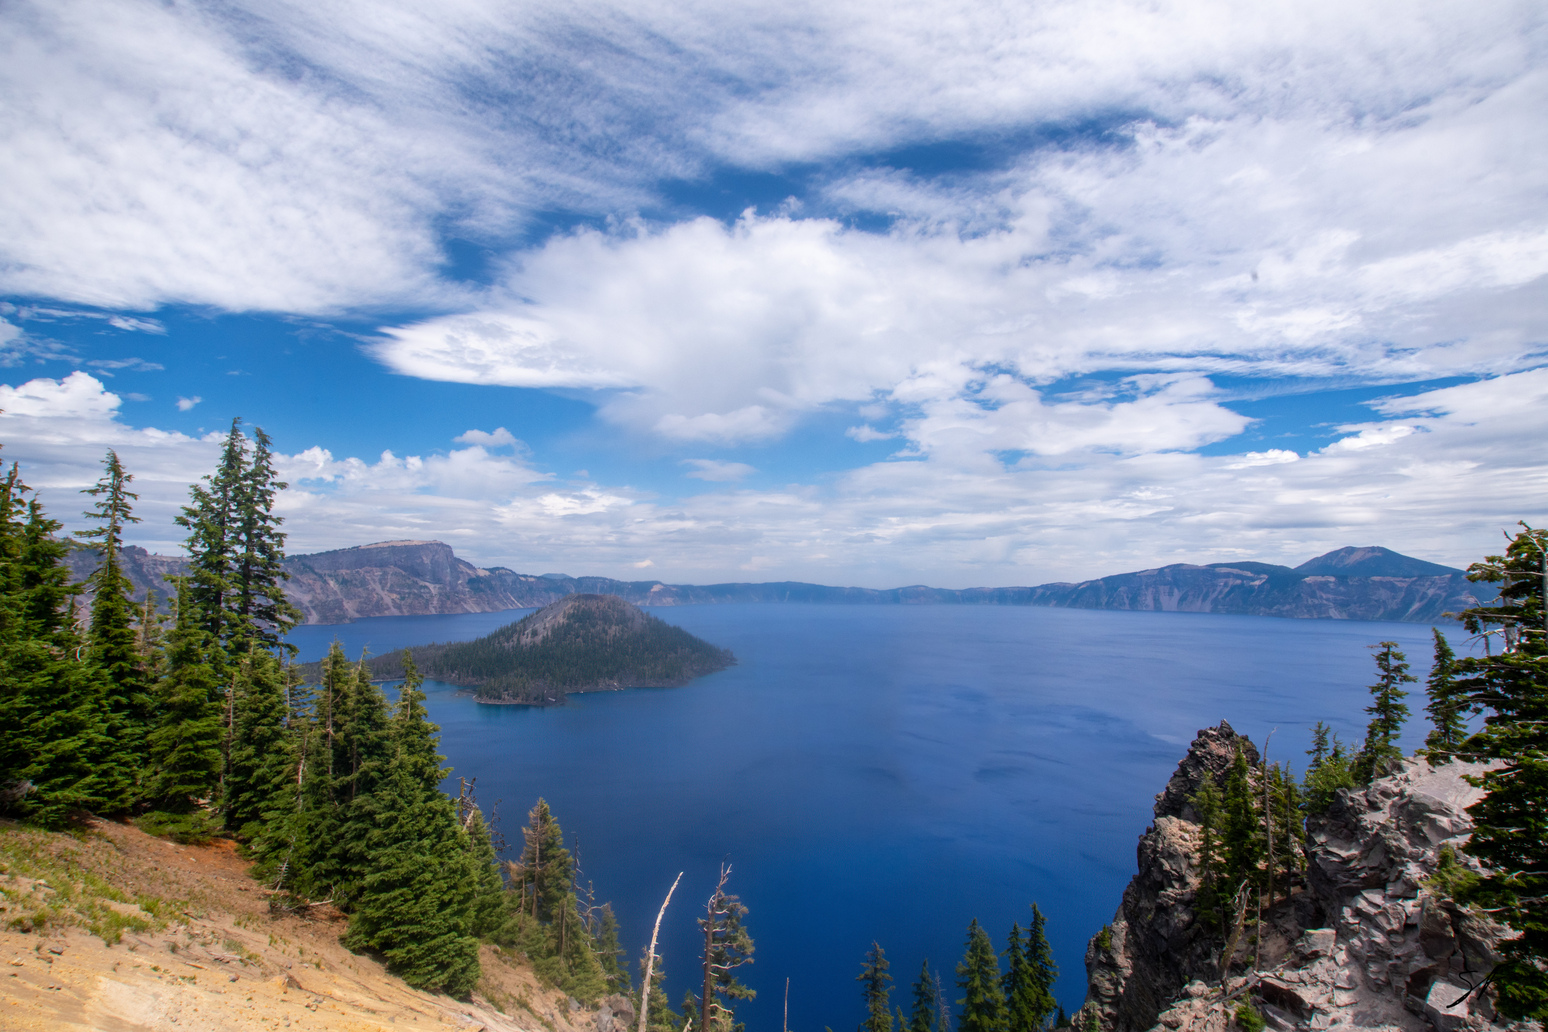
(114, 930)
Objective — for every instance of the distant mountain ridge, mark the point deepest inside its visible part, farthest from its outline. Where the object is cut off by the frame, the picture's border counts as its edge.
(416, 578)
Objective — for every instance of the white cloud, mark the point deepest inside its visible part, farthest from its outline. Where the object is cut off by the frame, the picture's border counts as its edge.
(497, 438)
(953, 515)
(717, 471)
(185, 404)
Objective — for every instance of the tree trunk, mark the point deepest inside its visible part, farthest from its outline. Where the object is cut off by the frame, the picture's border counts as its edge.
(650, 957)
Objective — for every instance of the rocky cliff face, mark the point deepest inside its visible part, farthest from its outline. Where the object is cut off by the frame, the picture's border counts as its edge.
(1362, 942)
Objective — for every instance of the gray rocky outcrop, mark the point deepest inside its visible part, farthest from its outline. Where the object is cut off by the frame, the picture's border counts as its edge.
(1362, 943)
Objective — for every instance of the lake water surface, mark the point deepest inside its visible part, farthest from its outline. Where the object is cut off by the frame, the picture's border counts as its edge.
(889, 772)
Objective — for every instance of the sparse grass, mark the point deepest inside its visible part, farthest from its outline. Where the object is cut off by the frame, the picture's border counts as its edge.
(53, 879)
(199, 828)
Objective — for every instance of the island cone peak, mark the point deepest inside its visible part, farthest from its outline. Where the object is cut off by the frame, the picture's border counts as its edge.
(608, 616)
(581, 643)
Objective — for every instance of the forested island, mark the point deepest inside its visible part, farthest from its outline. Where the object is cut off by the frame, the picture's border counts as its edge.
(1376, 890)
(582, 643)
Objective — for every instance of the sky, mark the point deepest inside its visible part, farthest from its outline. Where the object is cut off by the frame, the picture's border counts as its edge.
(864, 293)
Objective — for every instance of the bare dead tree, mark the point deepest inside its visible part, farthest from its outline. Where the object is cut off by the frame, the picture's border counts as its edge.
(650, 956)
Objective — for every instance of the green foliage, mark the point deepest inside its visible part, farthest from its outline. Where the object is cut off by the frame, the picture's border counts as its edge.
(1210, 902)
(184, 743)
(260, 771)
(1387, 709)
(195, 827)
(1447, 706)
(1451, 879)
(1029, 976)
(1510, 833)
(927, 1002)
(600, 641)
(1241, 831)
(876, 989)
(727, 946)
(978, 976)
(1248, 1019)
(1104, 939)
(610, 954)
(1330, 770)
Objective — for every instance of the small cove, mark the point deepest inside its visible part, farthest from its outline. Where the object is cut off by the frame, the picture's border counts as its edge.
(890, 772)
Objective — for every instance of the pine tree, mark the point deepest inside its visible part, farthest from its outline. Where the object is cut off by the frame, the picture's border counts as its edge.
(1210, 900)
(56, 751)
(415, 898)
(1510, 833)
(727, 946)
(211, 519)
(876, 990)
(610, 953)
(1329, 771)
(1447, 704)
(262, 612)
(1041, 971)
(183, 747)
(1387, 710)
(660, 1017)
(1241, 828)
(978, 976)
(259, 778)
(926, 1002)
(545, 872)
(111, 632)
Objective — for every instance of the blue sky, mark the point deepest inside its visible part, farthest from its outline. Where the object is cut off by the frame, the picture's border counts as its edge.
(870, 293)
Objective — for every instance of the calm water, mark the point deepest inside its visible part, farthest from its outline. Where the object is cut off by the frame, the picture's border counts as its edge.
(890, 772)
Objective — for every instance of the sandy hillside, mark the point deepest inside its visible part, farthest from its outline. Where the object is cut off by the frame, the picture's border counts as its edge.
(111, 929)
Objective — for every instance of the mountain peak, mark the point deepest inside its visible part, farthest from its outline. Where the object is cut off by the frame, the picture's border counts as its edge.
(1371, 561)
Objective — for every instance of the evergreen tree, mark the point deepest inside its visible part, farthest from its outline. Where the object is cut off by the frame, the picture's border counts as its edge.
(1290, 826)
(1241, 835)
(1210, 901)
(211, 519)
(1330, 770)
(1387, 710)
(1041, 971)
(876, 988)
(978, 976)
(1510, 832)
(609, 953)
(727, 946)
(488, 887)
(1447, 704)
(183, 747)
(660, 1017)
(414, 903)
(545, 873)
(926, 1002)
(259, 778)
(56, 753)
(111, 632)
(261, 610)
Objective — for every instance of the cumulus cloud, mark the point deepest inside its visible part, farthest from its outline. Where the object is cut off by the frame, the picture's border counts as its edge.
(187, 404)
(953, 514)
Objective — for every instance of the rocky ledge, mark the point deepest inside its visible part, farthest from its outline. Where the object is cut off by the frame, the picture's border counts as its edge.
(1361, 942)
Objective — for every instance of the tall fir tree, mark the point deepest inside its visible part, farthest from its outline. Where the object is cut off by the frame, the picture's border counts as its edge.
(1447, 705)
(1241, 835)
(262, 612)
(56, 751)
(183, 747)
(978, 976)
(111, 632)
(1387, 709)
(1210, 900)
(1510, 822)
(876, 990)
(727, 946)
(1329, 770)
(211, 519)
(260, 772)
(926, 1002)
(610, 953)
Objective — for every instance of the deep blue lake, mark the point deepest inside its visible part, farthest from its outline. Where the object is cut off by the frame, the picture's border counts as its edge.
(889, 772)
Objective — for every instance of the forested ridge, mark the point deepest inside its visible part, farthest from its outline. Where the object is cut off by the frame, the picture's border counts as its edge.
(579, 643)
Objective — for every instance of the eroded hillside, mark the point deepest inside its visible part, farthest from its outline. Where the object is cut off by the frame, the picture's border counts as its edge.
(111, 929)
